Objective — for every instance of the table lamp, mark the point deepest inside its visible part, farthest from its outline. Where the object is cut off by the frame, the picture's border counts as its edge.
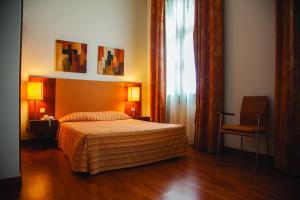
(34, 92)
(133, 96)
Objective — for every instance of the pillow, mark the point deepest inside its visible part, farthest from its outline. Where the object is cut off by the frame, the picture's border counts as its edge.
(94, 116)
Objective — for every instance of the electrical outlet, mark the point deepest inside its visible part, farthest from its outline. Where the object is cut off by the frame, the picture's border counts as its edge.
(42, 110)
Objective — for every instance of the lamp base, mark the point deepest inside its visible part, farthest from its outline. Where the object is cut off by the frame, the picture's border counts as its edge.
(133, 111)
(34, 109)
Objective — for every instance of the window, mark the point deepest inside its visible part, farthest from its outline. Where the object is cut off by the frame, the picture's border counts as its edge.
(180, 48)
(180, 64)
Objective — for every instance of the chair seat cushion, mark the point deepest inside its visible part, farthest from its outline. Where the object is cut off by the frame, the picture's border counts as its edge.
(242, 128)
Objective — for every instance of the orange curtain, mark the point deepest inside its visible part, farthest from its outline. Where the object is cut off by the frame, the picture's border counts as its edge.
(287, 89)
(157, 61)
(208, 45)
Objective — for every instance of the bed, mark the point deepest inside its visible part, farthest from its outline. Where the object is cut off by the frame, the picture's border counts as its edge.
(101, 141)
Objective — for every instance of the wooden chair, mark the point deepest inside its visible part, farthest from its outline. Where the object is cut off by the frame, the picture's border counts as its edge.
(253, 123)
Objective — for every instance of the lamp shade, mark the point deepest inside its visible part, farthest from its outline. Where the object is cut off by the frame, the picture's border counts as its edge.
(34, 91)
(133, 93)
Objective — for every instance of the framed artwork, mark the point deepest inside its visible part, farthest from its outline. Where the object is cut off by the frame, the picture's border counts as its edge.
(71, 56)
(110, 61)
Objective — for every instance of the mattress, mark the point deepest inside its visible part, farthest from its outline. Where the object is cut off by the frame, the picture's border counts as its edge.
(96, 146)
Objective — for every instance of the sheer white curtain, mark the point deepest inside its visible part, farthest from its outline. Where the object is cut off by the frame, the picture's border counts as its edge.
(181, 80)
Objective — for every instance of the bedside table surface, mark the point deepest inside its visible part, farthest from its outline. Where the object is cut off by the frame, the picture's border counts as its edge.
(143, 118)
(39, 120)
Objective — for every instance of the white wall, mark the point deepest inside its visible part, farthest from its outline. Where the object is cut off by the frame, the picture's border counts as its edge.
(112, 23)
(10, 22)
(249, 57)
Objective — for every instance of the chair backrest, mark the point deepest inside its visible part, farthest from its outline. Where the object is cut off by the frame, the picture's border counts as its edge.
(252, 106)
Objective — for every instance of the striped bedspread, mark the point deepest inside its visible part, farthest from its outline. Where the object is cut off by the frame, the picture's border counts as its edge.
(96, 146)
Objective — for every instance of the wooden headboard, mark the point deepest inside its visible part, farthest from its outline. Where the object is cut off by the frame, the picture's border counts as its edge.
(71, 95)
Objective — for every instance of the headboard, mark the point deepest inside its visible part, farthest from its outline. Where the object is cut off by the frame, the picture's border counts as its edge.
(72, 95)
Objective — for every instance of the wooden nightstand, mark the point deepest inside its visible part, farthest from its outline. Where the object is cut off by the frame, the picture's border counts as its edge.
(43, 130)
(143, 118)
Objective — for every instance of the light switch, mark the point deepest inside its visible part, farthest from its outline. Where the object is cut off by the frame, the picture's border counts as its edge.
(42, 110)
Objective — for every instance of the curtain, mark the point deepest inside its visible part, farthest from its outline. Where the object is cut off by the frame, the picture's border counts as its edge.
(180, 64)
(287, 87)
(208, 45)
(157, 62)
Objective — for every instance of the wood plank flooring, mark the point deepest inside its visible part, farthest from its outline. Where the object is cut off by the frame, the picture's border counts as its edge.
(46, 174)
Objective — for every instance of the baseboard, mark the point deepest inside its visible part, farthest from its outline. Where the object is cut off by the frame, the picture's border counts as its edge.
(10, 187)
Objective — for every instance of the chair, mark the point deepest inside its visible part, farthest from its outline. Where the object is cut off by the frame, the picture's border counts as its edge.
(253, 123)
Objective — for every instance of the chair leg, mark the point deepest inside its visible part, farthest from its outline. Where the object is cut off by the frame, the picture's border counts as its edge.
(219, 138)
(267, 143)
(257, 151)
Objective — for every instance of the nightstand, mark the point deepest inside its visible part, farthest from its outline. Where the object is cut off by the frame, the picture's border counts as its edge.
(43, 130)
(143, 118)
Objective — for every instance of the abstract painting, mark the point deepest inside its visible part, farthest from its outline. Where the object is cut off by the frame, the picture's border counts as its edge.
(110, 61)
(71, 56)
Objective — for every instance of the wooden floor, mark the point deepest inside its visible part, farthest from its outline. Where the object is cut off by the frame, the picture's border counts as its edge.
(46, 174)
